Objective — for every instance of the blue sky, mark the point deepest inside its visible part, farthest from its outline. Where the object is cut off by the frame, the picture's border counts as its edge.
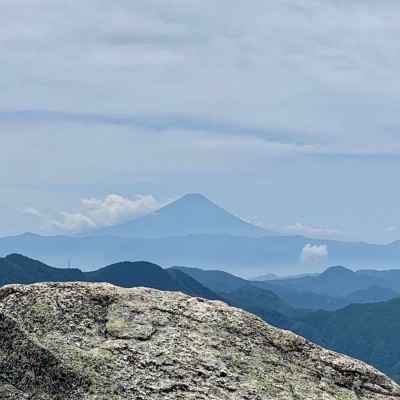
(285, 112)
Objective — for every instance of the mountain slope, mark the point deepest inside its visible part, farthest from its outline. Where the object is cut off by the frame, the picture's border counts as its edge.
(369, 332)
(192, 287)
(373, 294)
(16, 268)
(224, 283)
(218, 281)
(303, 299)
(86, 341)
(387, 278)
(243, 294)
(131, 274)
(264, 304)
(336, 288)
(193, 214)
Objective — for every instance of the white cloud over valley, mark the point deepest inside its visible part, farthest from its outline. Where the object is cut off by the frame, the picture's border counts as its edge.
(314, 255)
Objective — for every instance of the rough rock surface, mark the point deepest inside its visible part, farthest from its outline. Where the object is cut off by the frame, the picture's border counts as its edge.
(97, 341)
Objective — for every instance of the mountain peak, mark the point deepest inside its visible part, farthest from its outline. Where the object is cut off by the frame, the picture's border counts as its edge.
(192, 214)
(193, 200)
(195, 197)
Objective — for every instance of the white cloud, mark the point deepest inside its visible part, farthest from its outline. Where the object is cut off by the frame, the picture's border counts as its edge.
(73, 223)
(115, 209)
(314, 255)
(312, 231)
(96, 213)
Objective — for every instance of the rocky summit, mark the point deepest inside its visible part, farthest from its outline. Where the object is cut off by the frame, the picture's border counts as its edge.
(98, 341)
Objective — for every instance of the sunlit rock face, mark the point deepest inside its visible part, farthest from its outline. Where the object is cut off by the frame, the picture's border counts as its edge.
(98, 341)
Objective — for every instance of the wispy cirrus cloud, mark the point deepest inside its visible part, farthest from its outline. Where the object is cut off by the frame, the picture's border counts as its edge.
(313, 231)
(157, 122)
(306, 72)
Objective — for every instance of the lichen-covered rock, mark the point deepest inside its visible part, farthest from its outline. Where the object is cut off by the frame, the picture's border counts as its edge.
(97, 341)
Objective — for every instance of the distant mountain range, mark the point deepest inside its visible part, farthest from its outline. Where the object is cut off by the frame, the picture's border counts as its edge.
(246, 256)
(192, 214)
(367, 331)
(195, 231)
(16, 268)
(341, 282)
(335, 288)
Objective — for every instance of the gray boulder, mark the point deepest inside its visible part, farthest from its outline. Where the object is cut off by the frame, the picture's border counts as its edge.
(98, 341)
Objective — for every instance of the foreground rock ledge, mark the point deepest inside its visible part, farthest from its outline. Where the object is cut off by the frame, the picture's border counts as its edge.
(97, 341)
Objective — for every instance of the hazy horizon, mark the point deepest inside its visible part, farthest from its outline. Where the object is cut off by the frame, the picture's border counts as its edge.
(95, 214)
